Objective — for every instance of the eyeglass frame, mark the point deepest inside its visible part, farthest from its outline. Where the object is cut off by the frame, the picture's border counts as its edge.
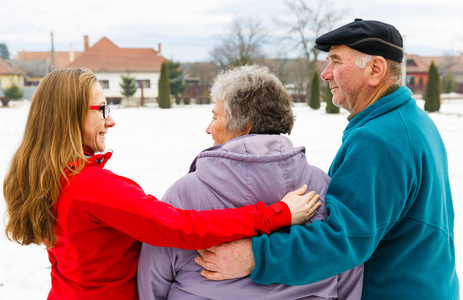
(104, 108)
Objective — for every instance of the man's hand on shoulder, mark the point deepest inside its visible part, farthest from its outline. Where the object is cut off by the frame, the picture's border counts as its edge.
(227, 261)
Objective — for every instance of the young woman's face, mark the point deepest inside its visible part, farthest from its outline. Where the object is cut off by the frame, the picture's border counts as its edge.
(95, 126)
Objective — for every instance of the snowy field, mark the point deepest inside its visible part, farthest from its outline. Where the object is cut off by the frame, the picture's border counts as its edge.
(155, 147)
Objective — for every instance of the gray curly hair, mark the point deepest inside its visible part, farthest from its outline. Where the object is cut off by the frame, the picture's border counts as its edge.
(253, 95)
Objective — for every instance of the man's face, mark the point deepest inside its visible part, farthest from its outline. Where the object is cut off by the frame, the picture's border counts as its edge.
(217, 127)
(347, 81)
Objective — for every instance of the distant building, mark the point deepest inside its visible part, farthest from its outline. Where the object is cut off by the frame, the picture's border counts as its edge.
(61, 58)
(34, 70)
(106, 60)
(450, 65)
(457, 71)
(37, 64)
(417, 73)
(10, 75)
(109, 62)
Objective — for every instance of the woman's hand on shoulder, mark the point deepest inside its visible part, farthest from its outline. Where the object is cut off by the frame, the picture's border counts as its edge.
(302, 206)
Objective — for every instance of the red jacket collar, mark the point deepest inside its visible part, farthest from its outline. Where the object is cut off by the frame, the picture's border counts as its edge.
(96, 159)
(99, 159)
(88, 152)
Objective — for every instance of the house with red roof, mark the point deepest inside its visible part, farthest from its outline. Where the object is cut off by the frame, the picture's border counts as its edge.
(10, 75)
(457, 71)
(449, 65)
(37, 64)
(61, 58)
(108, 61)
(417, 73)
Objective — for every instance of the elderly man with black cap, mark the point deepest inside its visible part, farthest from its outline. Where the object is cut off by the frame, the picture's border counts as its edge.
(389, 199)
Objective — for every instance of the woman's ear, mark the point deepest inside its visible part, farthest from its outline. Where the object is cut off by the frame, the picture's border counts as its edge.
(248, 128)
(378, 72)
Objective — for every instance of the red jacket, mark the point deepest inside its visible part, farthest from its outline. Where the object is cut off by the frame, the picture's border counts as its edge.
(102, 217)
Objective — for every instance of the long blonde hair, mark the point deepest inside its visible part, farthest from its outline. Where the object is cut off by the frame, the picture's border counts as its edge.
(52, 139)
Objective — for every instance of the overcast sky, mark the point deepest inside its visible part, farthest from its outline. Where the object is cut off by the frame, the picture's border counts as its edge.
(189, 29)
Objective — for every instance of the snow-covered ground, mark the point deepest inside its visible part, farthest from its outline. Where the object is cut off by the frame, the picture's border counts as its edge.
(155, 147)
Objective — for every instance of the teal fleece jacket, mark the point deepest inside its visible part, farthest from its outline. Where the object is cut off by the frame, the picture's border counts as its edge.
(390, 207)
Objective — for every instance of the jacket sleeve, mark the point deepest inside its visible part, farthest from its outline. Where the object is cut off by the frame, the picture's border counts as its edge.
(350, 284)
(156, 272)
(366, 196)
(158, 266)
(120, 203)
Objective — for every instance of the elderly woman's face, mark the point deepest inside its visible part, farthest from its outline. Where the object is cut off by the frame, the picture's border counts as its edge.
(95, 126)
(217, 127)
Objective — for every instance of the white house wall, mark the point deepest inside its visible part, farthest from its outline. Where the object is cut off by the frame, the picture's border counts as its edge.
(115, 80)
(7, 80)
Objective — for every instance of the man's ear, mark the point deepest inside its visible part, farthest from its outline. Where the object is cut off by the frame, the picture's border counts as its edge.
(378, 72)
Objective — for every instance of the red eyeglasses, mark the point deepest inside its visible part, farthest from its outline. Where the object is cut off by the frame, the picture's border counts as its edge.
(104, 108)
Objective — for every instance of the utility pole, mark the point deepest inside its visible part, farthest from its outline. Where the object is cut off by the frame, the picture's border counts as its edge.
(404, 66)
(142, 99)
(52, 53)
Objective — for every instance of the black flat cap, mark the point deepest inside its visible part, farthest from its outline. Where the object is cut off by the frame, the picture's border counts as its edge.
(370, 37)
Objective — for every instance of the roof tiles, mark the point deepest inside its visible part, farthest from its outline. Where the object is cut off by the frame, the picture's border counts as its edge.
(105, 56)
(7, 69)
(62, 58)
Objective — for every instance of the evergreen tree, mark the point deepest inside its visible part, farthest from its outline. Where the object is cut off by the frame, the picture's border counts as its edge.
(4, 53)
(164, 89)
(176, 84)
(330, 107)
(128, 85)
(13, 92)
(449, 85)
(314, 100)
(432, 96)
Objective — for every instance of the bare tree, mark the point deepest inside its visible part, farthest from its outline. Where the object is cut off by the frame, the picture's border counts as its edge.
(306, 21)
(298, 75)
(204, 71)
(243, 45)
(292, 72)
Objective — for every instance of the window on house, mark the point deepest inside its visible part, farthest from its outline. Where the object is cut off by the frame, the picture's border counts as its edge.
(146, 83)
(31, 83)
(410, 80)
(411, 63)
(104, 84)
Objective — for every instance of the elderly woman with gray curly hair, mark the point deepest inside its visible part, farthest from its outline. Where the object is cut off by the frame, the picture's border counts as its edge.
(251, 158)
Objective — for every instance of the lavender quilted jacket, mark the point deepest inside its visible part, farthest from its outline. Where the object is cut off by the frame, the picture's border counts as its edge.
(242, 171)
